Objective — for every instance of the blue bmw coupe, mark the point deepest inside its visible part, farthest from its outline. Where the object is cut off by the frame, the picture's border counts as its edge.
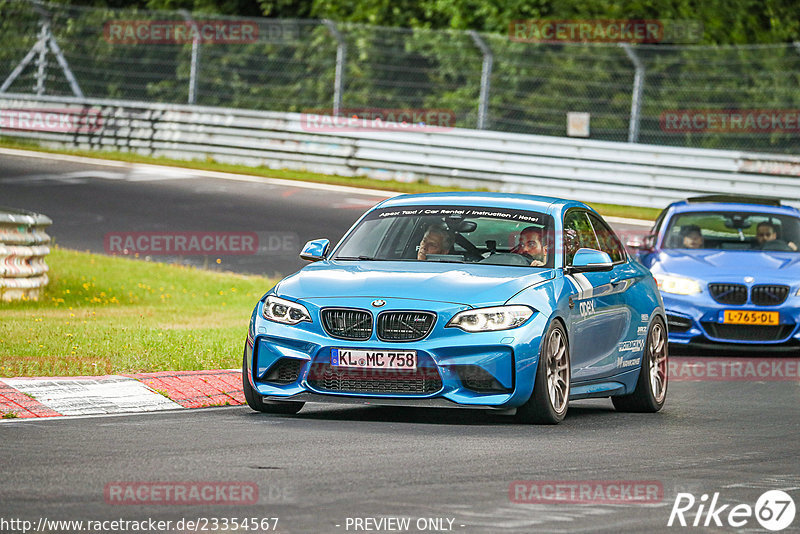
(475, 300)
(729, 271)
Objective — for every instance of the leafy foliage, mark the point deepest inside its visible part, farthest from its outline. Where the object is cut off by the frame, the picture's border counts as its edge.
(437, 64)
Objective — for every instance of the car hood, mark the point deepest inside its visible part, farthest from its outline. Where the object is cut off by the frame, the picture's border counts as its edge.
(726, 265)
(472, 285)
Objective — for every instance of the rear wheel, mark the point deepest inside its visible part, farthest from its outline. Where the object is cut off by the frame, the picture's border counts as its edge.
(651, 387)
(257, 402)
(550, 398)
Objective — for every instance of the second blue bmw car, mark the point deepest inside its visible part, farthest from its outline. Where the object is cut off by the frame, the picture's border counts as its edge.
(729, 271)
(474, 300)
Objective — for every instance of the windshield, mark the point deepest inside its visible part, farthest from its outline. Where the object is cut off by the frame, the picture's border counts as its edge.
(493, 236)
(729, 230)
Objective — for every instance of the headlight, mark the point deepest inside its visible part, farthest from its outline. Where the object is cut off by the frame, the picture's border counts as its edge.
(677, 284)
(491, 319)
(284, 311)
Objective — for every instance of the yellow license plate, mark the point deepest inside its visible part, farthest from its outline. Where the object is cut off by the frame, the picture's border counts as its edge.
(750, 317)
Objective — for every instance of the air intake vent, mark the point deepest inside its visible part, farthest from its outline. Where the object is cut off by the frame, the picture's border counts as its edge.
(735, 294)
(325, 377)
(767, 295)
(284, 371)
(347, 323)
(676, 323)
(740, 332)
(405, 326)
(479, 379)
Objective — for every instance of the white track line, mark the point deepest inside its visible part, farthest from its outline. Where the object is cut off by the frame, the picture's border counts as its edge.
(168, 169)
(150, 168)
(179, 410)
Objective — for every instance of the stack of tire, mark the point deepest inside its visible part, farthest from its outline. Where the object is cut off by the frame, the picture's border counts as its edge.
(24, 244)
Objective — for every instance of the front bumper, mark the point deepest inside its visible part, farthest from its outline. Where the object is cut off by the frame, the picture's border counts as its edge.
(455, 368)
(697, 320)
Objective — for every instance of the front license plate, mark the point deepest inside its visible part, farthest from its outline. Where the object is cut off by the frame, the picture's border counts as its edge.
(750, 317)
(374, 359)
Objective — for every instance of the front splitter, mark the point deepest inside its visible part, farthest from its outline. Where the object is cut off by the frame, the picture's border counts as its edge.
(388, 401)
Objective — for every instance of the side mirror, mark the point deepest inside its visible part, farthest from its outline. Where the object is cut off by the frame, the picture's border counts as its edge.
(315, 250)
(588, 260)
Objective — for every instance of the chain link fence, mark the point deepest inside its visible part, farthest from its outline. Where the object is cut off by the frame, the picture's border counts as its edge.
(488, 80)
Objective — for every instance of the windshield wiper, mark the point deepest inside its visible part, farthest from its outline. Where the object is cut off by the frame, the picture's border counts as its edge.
(362, 258)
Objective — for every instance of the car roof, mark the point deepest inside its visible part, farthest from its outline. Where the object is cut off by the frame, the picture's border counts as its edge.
(744, 205)
(519, 201)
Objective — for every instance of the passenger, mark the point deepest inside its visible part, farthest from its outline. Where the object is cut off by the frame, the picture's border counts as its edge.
(692, 237)
(766, 232)
(436, 240)
(531, 243)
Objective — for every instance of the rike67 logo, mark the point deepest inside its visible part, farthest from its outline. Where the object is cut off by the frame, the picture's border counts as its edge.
(774, 510)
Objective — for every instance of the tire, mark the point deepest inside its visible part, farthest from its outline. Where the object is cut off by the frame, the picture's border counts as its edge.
(550, 398)
(256, 401)
(651, 387)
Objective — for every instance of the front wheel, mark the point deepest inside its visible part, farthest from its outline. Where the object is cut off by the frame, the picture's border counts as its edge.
(550, 398)
(651, 387)
(257, 402)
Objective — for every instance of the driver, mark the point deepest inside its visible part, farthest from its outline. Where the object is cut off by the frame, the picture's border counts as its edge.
(766, 231)
(531, 244)
(436, 240)
(692, 237)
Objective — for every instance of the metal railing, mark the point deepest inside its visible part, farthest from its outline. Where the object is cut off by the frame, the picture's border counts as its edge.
(23, 248)
(598, 171)
(488, 80)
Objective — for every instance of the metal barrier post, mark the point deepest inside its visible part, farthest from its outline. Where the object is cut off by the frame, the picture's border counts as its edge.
(195, 58)
(486, 73)
(636, 98)
(341, 58)
(41, 61)
(45, 40)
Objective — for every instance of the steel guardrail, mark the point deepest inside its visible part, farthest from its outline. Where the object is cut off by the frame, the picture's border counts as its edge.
(600, 171)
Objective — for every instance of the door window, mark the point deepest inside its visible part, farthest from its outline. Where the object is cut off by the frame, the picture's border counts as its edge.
(609, 242)
(578, 233)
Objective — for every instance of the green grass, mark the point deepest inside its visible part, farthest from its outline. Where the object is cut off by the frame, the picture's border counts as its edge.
(286, 174)
(105, 315)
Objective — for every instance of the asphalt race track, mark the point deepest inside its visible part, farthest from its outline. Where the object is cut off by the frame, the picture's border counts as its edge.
(327, 464)
(332, 468)
(88, 201)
